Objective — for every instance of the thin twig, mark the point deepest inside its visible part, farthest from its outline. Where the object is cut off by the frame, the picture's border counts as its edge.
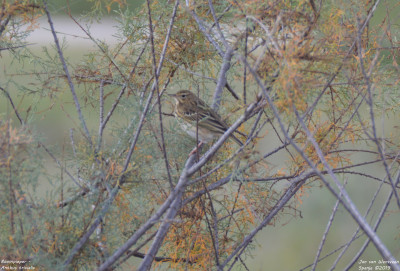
(117, 100)
(347, 202)
(202, 28)
(71, 137)
(171, 198)
(348, 54)
(290, 192)
(323, 239)
(101, 115)
(13, 106)
(329, 254)
(40, 143)
(131, 253)
(245, 67)
(164, 151)
(378, 221)
(69, 79)
(4, 25)
(16, 47)
(214, 236)
(114, 192)
(230, 158)
(371, 109)
(173, 202)
(150, 222)
(216, 23)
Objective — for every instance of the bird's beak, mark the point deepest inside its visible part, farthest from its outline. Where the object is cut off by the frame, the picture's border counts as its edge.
(172, 95)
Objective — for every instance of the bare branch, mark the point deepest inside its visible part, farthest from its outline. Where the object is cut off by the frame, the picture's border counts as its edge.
(348, 53)
(157, 84)
(347, 202)
(290, 192)
(328, 226)
(40, 143)
(202, 28)
(69, 79)
(101, 114)
(114, 192)
(216, 23)
(222, 78)
(173, 202)
(12, 105)
(378, 221)
(370, 102)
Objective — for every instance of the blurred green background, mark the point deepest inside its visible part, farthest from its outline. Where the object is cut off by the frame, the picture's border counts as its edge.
(79, 7)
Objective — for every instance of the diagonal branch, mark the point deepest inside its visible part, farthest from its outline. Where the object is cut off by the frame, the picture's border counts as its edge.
(370, 88)
(328, 227)
(221, 83)
(378, 221)
(202, 28)
(39, 142)
(348, 54)
(347, 202)
(69, 79)
(168, 203)
(157, 84)
(290, 192)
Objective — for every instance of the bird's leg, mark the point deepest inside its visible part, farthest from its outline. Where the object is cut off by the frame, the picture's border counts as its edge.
(196, 149)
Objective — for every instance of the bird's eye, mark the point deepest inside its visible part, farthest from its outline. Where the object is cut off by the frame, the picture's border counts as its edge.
(183, 95)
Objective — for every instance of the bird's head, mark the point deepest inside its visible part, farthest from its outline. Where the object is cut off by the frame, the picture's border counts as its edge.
(184, 96)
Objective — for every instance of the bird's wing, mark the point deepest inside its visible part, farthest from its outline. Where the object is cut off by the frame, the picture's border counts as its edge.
(208, 117)
(216, 124)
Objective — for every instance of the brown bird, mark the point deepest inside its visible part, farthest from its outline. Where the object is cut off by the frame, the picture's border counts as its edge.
(198, 119)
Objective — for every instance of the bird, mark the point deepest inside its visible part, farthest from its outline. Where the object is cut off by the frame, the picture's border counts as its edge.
(198, 119)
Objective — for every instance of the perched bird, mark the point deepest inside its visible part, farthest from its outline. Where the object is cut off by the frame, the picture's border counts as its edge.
(198, 119)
